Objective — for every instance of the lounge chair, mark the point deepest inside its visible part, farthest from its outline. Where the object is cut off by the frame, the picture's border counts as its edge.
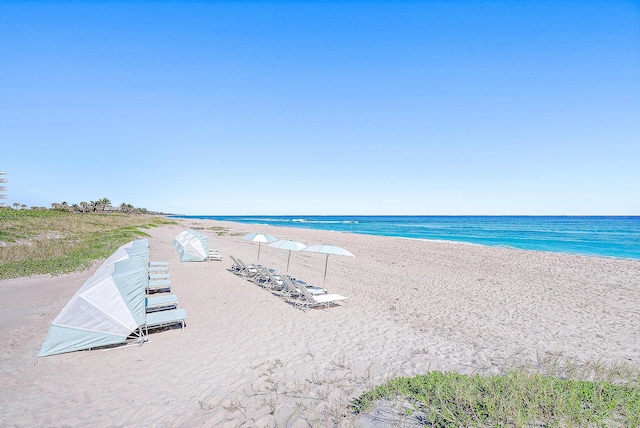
(248, 271)
(236, 267)
(261, 277)
(214, 256)
(292, 282)
(307, 300)
(275, 281)
(158, 286)
(161, 303)
(158, 268)
(165, 318)
(288, 291)
(155, 276)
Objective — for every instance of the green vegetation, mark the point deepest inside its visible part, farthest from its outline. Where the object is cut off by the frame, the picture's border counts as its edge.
(36, 242)
(518, 398)
(219, 230)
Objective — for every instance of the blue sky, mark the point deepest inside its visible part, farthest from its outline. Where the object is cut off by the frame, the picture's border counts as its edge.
(371, 107)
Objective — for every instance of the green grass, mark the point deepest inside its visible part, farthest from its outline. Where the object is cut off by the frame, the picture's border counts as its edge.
(57, 242)
(518, 398)
(221, 231)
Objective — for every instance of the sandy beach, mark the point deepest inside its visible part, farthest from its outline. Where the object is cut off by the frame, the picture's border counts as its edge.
(247, 358)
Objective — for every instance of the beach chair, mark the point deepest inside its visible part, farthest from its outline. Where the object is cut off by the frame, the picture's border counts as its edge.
(157, 286)
(155, 276)
(275, 281)
(292, 282)
(214, 256)
(261, 278)
(158, 264)
(158, 269)
(306, 300)
(248, 271)
(165, 319)
(161, 303)
(236, 268)
(288, 291)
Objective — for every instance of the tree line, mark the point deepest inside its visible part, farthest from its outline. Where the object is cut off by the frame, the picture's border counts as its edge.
(101, 205)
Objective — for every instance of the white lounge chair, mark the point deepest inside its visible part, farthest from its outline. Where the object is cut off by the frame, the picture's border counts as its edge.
(235, 267)
(155, 276)
(291, 282)
(161, 303)
(248, 271)
(307, 300)
(158, 268)
(165, 318)
(275, 281)
(159, 285)
(214, 256)
(261, 277)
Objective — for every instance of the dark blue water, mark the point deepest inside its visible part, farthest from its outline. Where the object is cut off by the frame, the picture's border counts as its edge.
(596, 236)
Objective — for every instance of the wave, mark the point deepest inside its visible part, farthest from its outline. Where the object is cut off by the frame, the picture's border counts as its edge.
(304, 220)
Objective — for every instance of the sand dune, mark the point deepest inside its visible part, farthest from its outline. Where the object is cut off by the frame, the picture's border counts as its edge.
(248, 358)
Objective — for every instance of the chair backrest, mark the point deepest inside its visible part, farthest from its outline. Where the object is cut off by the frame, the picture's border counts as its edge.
(262, 273)
(293, 288)
(271, 277)
(306, 294)
(235, 262)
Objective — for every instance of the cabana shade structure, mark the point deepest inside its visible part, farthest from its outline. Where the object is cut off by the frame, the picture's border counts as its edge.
(192, 246)
(108, 308)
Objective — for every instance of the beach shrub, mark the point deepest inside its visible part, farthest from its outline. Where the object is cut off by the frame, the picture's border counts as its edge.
(36, 242)
(518, 398)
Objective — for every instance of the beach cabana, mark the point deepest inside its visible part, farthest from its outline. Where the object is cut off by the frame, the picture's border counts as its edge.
(108, 308)
(192, 246)
(180, 238)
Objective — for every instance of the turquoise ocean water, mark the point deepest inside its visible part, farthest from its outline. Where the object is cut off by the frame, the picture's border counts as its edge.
(596, 236)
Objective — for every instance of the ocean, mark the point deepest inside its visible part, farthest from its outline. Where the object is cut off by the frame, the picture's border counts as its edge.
(594, 236)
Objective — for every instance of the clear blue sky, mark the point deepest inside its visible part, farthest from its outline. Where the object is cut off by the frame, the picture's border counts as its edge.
(370, 107)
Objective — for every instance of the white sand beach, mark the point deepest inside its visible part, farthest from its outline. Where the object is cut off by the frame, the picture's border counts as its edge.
(247, 358)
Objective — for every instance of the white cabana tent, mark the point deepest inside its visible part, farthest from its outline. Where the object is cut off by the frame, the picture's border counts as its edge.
(108, 308)
(192, 246)
(180, 238)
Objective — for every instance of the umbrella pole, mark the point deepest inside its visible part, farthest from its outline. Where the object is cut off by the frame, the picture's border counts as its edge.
(288, 259)
(325, 271)
(259, 243)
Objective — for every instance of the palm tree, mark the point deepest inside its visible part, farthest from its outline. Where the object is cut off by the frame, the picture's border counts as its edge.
(105, 202)
(85, 206)
(16, 205)
(93, 205)
(23, 206)
(124, 207)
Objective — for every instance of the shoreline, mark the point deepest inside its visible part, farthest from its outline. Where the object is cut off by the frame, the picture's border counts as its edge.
(435, 240)
(413, 306)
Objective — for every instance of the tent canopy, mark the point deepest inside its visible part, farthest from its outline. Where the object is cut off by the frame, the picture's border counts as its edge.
(192, 246)
(107, 308)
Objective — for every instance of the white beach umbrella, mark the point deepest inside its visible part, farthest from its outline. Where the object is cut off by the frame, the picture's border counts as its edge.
(328, 250)
(288, 244)
(259, 238)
